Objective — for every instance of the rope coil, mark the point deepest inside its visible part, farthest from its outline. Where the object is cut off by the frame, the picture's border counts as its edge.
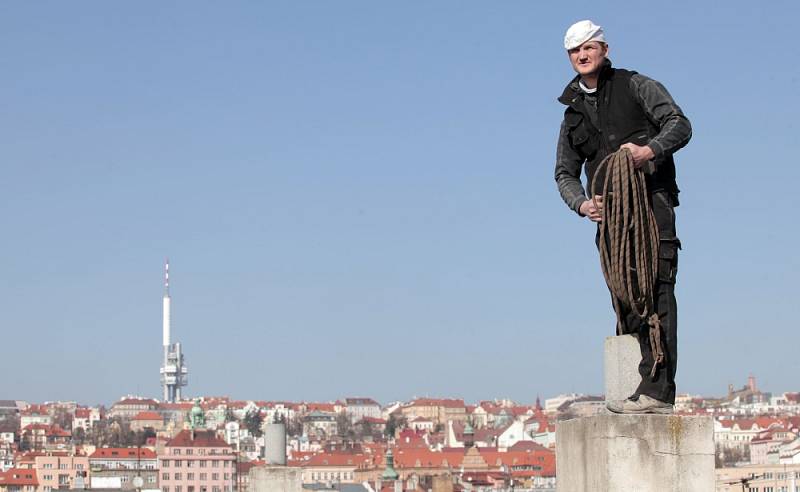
(629, 244)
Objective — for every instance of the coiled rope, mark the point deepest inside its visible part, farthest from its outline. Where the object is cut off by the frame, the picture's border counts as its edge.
(629, 244)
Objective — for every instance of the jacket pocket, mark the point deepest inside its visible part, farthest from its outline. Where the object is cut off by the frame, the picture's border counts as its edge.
(579, 136)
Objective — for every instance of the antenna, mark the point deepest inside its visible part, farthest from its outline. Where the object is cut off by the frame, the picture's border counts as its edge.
(166, 277)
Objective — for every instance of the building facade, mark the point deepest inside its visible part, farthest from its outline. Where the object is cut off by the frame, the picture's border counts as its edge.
(197, 461)
(58, 470)
(359, 408)
(118, 468)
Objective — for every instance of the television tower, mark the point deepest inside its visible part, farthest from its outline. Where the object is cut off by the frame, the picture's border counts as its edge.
(174, 374)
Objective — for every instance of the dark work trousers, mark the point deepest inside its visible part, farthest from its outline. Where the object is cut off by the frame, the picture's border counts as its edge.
(662, 385)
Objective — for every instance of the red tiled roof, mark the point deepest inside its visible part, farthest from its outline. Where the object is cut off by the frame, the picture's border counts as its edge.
(123, 453)
(56, 431)
(425, 458)
(136, 401)
(301, 455)
(202, 438)
(19, 477)
(148, 416)
(527, 446)
(373, 420)
(33, 427)
(337, 459)
(83, 413)
(322, 407)
(49, 430)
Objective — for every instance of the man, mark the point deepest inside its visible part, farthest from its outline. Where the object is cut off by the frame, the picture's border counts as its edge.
(608, 109)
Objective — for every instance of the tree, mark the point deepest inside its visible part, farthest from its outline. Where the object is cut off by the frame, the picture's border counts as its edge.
(63, 419)
(252, 422)
(365, 429)
(78, 436)
(394, 423)
(344, 426)
(732, 456)
(294, 427)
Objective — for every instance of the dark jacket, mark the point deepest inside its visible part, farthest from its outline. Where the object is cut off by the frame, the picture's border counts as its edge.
(629, 107)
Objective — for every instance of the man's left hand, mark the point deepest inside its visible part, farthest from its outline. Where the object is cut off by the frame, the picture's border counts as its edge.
(640, 154)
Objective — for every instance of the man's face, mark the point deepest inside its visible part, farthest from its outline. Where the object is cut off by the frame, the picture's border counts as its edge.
(587, 58)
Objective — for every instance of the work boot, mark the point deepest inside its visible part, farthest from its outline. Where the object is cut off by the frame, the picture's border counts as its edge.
(640, 404)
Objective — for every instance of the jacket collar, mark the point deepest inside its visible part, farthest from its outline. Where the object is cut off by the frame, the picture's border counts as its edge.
(572, 91)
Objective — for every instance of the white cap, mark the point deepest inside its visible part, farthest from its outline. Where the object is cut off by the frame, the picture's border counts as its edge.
(581, 32)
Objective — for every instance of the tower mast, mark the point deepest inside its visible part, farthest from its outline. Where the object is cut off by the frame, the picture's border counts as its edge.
(174, 374)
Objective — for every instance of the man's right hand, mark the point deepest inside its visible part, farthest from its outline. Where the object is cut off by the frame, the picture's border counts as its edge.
(593, 209)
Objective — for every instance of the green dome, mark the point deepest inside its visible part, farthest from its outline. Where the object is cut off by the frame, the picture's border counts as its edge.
(390, 473)
(196, 416)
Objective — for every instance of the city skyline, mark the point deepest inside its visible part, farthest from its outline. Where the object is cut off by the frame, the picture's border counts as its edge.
(359, 198)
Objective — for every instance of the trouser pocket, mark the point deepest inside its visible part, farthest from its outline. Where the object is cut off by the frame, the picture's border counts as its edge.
(669, 244)
(668, 260)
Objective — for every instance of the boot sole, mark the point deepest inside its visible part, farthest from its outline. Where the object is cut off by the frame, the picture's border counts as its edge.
(656, 411)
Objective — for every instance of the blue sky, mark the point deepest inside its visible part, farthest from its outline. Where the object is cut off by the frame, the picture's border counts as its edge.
(357, 197)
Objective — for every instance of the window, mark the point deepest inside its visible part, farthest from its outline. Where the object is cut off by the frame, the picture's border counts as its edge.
(215, 476)
(189, 463)
(62, 466)
(202, 463)
(189, 451)
(176, 451)
(164, 463)
(215, 463)
(178, 463)
(203, 476)
(151, 479)
(226, 476)
(190, 476)
(215, 488)
(164, 489)
(178, 477)
(190, 488)
(124, 478)
(79, 466)
(165, 476)
(178, 488)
